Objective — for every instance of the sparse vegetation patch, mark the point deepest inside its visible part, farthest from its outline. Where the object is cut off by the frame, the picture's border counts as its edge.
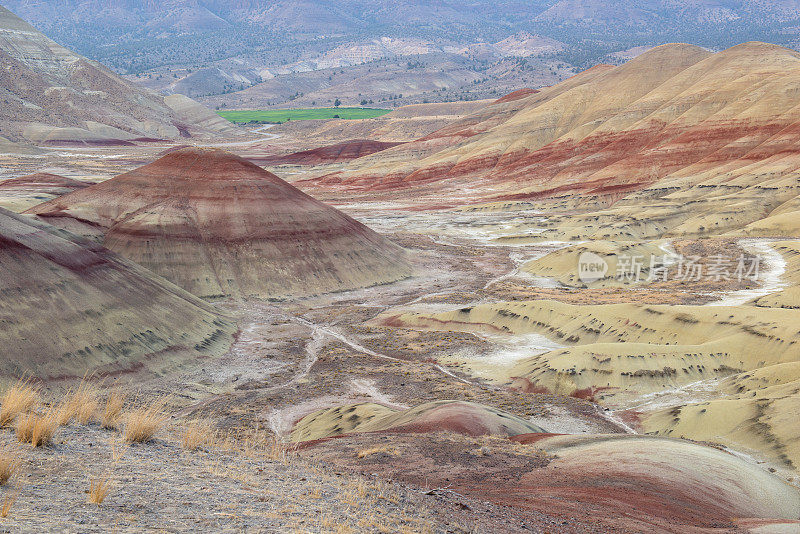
(279, 116)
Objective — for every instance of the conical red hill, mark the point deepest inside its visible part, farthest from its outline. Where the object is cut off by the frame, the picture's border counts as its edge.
(218, 225)
(69, 307)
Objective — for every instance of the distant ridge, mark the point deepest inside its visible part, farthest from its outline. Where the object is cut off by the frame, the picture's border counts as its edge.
(52, 96)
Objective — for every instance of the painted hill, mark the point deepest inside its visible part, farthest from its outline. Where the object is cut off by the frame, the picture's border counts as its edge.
(23, 192)
(454, 416)
(53, 96)
(70, 306)
(217, 225)
(610, 483)
(674, 125)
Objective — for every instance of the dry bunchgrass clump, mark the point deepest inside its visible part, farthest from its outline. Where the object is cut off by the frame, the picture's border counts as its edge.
(16, 400)
(197, 434)
(112, 413)
(80, 405)
(376, 450)
(98, 491)
(8, 465)
(8, 502)
(142, 424)
(37, 429)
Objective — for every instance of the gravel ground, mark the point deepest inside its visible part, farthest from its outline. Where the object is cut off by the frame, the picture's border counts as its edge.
(161, 486)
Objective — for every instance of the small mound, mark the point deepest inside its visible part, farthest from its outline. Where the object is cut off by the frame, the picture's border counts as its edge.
(24, 192)
(345, 151)
(663, 477)
(620, 263)
(43, 182)
(218, 225)
(454, 416)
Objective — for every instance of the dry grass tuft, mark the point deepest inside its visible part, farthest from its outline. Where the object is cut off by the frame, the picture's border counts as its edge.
(112, 413)
(118, 449)
(142, 424)
(37, 429)
(9, 465)
(197, 434)
(377, 450)
(98, 490)
(17, 400)
(80, 405)
(8, 502)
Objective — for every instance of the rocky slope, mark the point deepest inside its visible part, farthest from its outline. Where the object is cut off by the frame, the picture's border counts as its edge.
(218, 225)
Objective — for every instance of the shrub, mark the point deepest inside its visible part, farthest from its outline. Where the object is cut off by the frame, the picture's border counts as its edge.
(80, 405)
(8, 466)
(98, 490)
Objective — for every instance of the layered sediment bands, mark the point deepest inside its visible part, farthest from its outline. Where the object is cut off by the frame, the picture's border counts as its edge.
(661, 478)
(454, 416)
(218, 225)
(675, 127)
(69, 306)
(19, 194)
(340, 152)
(516, 95)
(635, 348)
(610, 483)
(43, 182)
(617, 353)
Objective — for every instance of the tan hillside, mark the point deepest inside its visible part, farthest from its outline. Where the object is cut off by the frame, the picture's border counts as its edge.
(678, 141)
(627, 262)
(631, 347)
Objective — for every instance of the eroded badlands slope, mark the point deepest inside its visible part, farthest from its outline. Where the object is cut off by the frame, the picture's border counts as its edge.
(706, 143)
(218, 225)
(69, 307)
(53, 96)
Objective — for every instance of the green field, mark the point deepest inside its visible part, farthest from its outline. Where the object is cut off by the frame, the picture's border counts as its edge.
(302, 114)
